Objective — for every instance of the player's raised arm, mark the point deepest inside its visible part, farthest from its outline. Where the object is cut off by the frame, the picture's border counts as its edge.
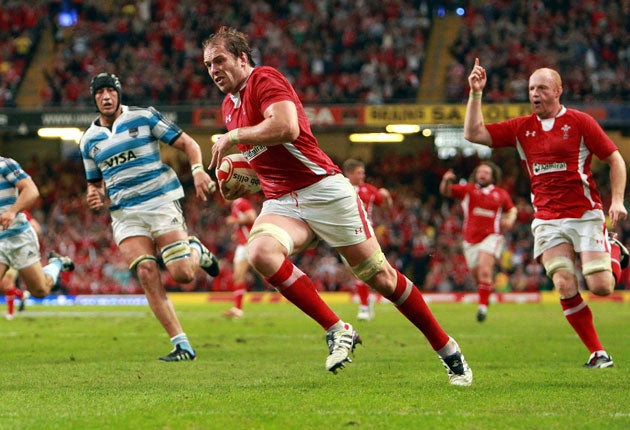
(474, 128)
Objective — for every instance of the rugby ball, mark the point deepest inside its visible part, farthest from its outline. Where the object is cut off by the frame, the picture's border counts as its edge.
(234, 169)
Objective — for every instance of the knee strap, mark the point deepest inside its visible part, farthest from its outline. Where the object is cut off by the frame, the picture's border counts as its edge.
(594, 266)
(268, 229)
(146, 257)
(370, 267)
(559, 263)
(175, 251)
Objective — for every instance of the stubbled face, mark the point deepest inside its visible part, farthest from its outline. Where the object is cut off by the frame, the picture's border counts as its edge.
(227, 71)
(483, 175)
(544, 94)
(106, 99)
(357, 176)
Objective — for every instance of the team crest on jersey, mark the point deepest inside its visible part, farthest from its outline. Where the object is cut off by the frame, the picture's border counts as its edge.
(133, 132)
(565, 131)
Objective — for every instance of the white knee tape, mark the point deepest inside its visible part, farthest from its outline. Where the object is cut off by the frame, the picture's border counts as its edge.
(146, 257)
(594, 266)
(370, 267)
(559, 263)
(175, 251)
(278, 233)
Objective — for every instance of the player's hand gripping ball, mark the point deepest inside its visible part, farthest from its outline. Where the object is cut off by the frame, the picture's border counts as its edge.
(234, 169)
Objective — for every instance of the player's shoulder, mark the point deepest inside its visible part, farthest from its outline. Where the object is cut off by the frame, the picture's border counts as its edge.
(578, 116)
(7, 162)
(261, 73)
(135, 111)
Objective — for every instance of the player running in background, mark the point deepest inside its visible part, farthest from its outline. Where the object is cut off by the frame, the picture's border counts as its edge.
(19, 244)
(242, 218)
(371, 196)
(307, 199)
(9, 283)
(121, 156)
(556, 146)
(487, 210)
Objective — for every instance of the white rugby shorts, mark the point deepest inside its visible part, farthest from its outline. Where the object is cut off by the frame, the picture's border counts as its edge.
(20, 251)
(150, 222)
(240, 253)
(492, 244)
(587, 233)
(331, 208)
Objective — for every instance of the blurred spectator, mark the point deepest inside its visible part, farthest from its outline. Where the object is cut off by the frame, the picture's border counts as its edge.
(340, 51)
(585, 41)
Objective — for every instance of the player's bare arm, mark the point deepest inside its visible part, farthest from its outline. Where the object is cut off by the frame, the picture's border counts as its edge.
(447, 180)
(96, 195)
(279, 126)
(508, 219)
(474, 128)
(617, 211)
(204, 185)
(27, 196)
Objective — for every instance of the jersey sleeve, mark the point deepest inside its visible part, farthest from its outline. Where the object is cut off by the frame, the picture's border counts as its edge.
(459, 191)
(162, 128)
(13, 172)
(508, 203)
(272, 87)
(596, 140)
(503, 133)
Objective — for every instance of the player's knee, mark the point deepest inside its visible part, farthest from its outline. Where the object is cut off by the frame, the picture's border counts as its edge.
(369, 268)
(268, 230)
(602, 289)
(600, 283)
(38, 292)
(558, 265)
(145, 268)
(174, 252)
(598, 276)
(182, 273)
(265, 243)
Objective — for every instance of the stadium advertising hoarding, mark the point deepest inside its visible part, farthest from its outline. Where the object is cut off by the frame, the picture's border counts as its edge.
(610, 115)
(209, 117)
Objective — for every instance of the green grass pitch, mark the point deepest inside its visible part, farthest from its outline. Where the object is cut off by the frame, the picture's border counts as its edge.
(95, 368)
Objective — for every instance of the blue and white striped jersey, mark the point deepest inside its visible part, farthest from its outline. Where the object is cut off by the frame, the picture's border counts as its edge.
(128, 159)
(10, 174)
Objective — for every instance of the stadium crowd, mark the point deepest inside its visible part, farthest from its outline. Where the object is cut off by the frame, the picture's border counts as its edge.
(585, 41)
(343, 51)
(334, 52)
(21, 25)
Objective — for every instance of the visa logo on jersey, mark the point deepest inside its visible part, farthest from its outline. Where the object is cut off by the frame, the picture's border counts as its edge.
(121, 158)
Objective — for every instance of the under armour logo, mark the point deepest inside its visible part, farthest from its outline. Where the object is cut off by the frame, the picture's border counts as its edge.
(174, 221)
(358, 230)
(228, 118)
(530, 133)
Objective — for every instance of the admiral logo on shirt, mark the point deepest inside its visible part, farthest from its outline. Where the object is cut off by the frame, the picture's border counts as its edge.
(254, 152)
(540, 168)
